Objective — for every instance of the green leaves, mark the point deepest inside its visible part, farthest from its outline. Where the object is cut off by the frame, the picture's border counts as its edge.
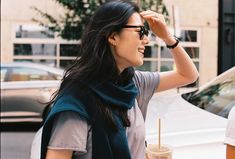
(77, 13)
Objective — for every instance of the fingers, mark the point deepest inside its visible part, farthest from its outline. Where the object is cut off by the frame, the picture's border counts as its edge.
(150, 13)
(150, 16)
(156, 23)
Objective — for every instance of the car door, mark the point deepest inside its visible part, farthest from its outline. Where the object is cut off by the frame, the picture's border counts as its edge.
(25, 93)
(3, 78)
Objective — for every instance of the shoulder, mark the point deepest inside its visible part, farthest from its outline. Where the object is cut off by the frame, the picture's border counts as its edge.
(145, 74)
(69, 120)
(146, 79)
(69, 131)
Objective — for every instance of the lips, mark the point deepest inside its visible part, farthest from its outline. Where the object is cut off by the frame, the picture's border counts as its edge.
(141, 50)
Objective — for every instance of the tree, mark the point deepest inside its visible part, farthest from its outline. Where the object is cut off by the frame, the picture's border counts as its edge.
(72, 23)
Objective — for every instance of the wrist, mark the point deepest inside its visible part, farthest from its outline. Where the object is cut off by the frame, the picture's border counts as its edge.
(172, 42)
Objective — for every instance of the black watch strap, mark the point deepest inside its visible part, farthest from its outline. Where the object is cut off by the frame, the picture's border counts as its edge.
(174, 45)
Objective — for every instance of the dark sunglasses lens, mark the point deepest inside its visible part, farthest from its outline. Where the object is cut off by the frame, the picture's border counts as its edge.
(146, 32)
(143, 31)
(141, 34)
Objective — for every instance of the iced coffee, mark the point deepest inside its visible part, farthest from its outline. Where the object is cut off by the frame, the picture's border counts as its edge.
(154, 152)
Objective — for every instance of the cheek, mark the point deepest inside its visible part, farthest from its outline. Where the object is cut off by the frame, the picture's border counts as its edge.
(128, 42)
(128, 53)
(128, 47)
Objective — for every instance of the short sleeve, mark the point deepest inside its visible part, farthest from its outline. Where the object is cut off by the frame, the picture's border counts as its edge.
(69, 132)
(230, 130)
(146, 83)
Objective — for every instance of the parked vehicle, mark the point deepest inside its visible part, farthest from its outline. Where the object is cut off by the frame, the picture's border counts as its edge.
(25, 87)
(193, 124)
(217, 96)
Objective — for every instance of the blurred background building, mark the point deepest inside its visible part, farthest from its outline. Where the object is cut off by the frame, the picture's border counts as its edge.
(206, 30)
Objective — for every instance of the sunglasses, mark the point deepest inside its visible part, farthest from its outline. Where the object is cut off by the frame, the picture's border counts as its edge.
(143, 31)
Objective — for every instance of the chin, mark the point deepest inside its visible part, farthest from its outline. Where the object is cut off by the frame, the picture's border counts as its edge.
(140, 63)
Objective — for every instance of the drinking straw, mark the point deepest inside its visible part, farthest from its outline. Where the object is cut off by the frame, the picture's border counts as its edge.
(159, 133)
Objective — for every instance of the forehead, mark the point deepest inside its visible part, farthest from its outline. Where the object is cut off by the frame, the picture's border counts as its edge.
(136, 19)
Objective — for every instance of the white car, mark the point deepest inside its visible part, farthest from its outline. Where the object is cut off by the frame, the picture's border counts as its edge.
(193, 131)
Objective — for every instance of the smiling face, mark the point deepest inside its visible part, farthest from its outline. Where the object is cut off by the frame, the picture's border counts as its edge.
(127, 47)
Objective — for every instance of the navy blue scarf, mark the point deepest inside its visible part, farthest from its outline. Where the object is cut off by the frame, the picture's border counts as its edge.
(106, 143)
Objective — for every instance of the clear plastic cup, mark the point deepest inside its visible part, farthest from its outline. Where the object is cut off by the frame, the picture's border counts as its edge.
(153, 152)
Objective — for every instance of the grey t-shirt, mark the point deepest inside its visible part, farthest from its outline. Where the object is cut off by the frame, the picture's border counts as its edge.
(73, 133)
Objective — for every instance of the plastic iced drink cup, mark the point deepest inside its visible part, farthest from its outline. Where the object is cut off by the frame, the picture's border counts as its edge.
(153, 152)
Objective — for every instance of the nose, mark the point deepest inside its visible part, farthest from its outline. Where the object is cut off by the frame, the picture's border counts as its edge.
(145, 40)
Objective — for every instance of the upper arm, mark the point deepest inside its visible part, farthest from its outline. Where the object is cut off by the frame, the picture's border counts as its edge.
(171, 79)
(69, 134)
(146, 82)
(59, 154)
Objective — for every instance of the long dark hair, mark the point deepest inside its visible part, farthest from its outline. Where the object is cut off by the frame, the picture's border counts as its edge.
(97, 61)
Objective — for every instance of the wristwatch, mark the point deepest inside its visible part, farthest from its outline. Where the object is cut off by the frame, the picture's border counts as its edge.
(174, 45)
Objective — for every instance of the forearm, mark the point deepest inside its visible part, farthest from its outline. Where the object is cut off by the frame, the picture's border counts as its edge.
(184, 65)
(58, 154)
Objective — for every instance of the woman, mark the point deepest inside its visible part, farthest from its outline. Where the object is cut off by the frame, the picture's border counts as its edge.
(100, 107)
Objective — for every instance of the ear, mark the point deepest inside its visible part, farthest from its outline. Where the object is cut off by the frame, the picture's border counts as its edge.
(113, 39)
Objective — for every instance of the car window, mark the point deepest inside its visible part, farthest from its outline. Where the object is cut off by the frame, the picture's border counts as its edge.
(218, 98)
(30, 74)
(3, 73)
